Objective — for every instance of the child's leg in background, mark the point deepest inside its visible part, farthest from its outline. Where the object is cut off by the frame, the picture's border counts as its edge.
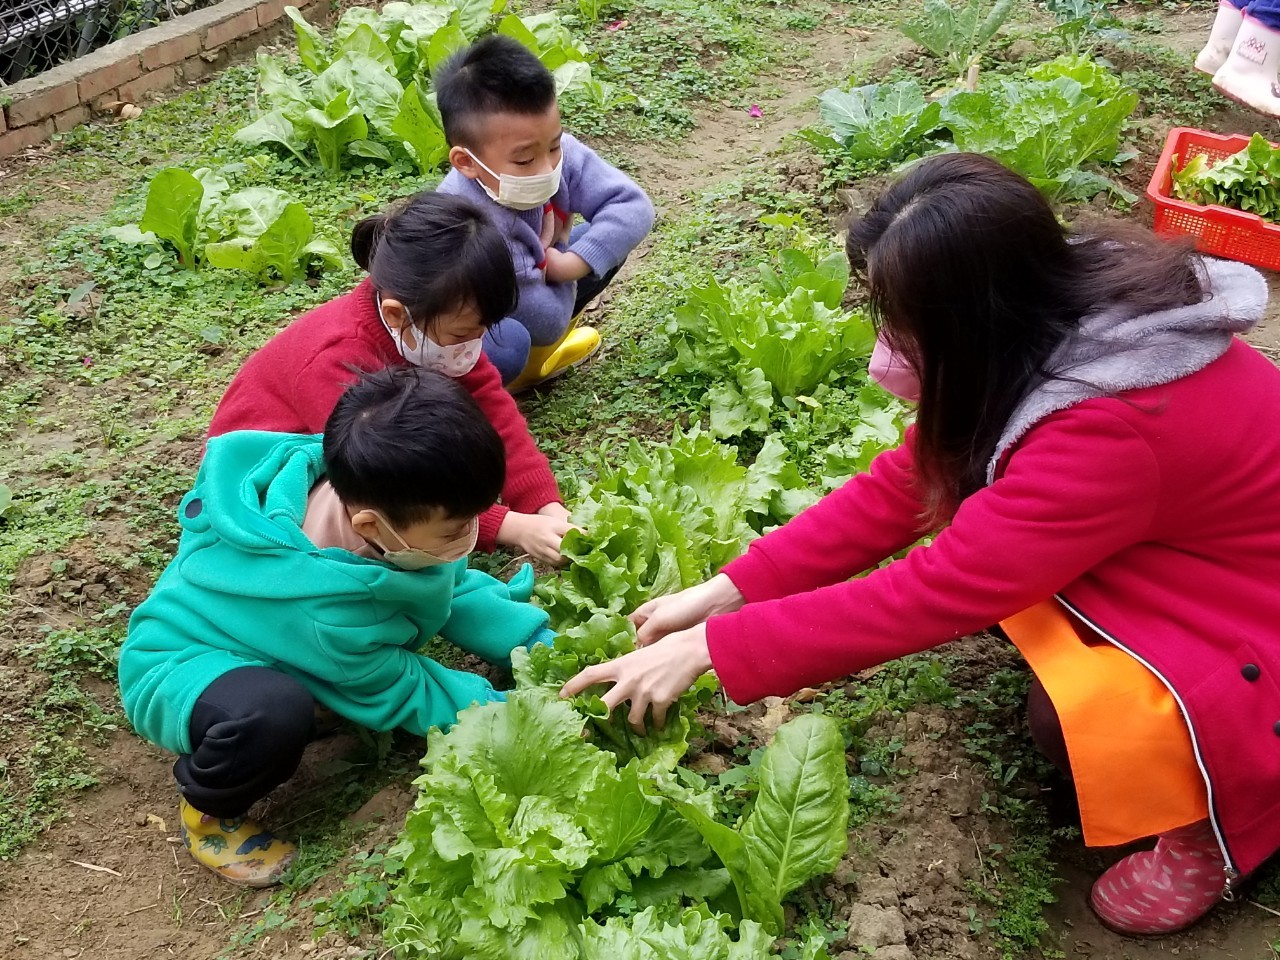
(1222, 36)
(1249, 71)
(248, 731)
(507, 345)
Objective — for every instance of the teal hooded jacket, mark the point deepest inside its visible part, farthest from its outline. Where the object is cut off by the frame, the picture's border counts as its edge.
(247, 588)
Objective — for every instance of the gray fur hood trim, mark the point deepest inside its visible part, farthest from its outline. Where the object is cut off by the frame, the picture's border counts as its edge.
(1111, 352)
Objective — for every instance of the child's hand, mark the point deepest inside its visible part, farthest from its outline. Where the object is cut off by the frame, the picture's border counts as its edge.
(564, 267)
(535, 534)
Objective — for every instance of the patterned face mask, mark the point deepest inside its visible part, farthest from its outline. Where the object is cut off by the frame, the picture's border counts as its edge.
(455, 360)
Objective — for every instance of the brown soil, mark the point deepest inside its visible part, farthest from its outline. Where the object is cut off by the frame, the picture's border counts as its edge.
(111, 882)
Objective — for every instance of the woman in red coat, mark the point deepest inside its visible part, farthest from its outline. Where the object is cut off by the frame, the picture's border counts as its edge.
(439, 275)
(1099, 457)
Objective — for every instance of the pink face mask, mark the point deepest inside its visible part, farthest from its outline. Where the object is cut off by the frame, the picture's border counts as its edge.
(892, 371)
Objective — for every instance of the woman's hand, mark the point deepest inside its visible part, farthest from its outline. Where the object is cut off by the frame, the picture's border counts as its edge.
(651, 678)
(536, 534)
(688, 608)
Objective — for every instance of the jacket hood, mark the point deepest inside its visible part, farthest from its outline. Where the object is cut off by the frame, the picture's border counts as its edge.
(252, 489)
(1113, 351)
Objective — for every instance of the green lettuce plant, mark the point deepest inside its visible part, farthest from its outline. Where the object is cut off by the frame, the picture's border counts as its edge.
(666, 517)
(768, 342)
(526, 840)
(957, 35)
(366, 89)
(876, 123)
(1053, 125)
(259, 230)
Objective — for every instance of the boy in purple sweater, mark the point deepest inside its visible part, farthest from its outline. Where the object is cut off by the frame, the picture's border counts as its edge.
(511, 157)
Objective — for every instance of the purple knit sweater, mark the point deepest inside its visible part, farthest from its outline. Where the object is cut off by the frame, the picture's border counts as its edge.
(617, 210)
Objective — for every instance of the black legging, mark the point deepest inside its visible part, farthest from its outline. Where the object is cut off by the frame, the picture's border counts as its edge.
(1046, 728)
(248, 731)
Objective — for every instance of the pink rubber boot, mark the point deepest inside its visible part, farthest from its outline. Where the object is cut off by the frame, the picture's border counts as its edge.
(1162, 890)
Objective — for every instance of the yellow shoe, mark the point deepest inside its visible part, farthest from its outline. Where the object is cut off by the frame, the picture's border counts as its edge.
(238, 850)
(576, 346)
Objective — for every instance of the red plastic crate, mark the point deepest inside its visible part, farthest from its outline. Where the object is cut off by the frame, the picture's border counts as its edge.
(1219, 231)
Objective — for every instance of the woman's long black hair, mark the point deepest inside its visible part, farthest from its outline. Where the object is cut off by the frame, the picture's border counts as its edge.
(972, 277)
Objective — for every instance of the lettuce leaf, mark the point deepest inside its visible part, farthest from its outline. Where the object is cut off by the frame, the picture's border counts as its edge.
(881, 123)
(1248, 180)
(798, 828)
(1047, 125)
(770, 342)
(172, 213)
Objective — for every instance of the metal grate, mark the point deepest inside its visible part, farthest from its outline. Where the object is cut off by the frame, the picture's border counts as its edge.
(38, 34)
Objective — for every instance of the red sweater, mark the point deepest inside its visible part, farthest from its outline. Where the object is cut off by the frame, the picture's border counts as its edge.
(292, 384)
(1155, 517)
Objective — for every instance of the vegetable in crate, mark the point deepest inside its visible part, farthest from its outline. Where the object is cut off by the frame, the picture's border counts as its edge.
(1248, 180)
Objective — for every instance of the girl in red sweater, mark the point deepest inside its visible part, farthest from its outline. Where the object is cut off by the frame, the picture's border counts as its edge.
(440, 275)
(1096, 453)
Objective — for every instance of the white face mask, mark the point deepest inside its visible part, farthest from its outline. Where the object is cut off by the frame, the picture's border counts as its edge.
(411, 558)
(521, 193)
(417, 348)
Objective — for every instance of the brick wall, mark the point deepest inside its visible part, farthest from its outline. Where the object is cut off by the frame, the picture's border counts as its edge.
(188, 48)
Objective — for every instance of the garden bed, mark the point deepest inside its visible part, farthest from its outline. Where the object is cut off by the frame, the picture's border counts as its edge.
(110, 370)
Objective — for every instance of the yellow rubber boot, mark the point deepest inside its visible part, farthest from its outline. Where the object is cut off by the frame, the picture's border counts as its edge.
(238, 850)
(577, 344)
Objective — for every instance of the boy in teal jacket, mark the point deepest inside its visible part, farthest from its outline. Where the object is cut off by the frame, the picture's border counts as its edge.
(311, 571)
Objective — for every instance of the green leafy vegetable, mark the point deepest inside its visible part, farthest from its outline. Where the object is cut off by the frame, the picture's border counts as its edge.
(879, 123)
(1081, 22)
(271, 234)
(664, 518)
(515, 812)
(1049, 125)
(600, 639)
(524, 835)
(767, 342)
(173, 211)
(259, 230)
(957, 35)
(1248, 180)
(798, 828)
(366, 92)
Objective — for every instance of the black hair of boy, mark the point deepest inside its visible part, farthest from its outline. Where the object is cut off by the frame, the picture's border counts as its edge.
(493, 75)
(411, 443)
(435, 252)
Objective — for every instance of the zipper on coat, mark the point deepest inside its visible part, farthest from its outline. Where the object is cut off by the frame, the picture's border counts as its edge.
(1231, 876)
